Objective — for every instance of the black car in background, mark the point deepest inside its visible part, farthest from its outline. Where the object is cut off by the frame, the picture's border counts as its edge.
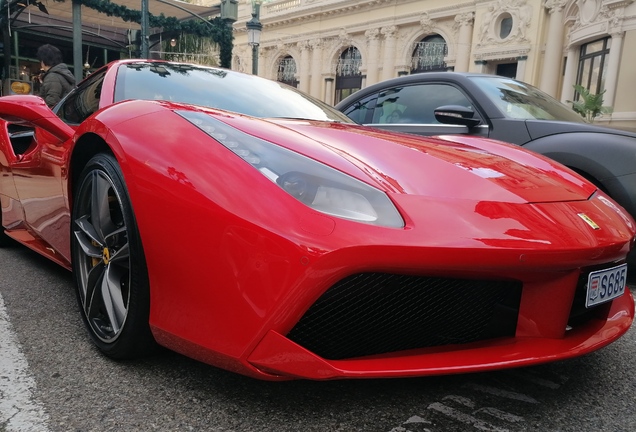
(440, 103)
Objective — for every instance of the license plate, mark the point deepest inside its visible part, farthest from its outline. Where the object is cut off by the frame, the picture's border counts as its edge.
(605, 285)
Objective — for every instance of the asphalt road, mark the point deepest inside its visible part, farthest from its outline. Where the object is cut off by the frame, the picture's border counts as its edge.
(64, 384)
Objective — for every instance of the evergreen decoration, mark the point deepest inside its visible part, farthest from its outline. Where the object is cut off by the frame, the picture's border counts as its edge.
(216, 28)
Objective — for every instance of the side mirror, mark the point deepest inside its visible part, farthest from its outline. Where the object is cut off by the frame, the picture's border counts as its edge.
(456, 115)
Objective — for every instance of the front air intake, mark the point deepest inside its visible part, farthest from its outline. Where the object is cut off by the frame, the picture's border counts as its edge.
(376, 313)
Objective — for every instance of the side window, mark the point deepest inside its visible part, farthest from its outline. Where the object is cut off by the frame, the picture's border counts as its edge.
(361, 112)
(415, 104)
(82, 102)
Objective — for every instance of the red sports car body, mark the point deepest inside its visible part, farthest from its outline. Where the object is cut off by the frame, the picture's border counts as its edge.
(236, 221)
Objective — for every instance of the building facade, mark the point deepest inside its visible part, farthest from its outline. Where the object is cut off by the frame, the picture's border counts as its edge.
(331, 48)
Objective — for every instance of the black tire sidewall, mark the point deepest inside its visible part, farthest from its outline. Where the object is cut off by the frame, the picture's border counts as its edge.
(5, 240)
(135, 338)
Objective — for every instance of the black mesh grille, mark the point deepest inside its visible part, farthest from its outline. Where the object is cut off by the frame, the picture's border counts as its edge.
(375, 313)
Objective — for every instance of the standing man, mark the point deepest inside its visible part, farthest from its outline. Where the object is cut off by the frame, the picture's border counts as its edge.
(57, 80)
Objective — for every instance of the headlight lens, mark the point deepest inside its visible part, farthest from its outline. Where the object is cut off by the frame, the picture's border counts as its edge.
(316, 185)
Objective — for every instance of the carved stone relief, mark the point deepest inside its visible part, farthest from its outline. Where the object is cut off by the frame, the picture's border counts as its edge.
(427, 24)
(372, 34)
(344, 36)
(555, 5)
(588, 10)
(516, 14)
(464, 19)
(598, 18)
(389, 32)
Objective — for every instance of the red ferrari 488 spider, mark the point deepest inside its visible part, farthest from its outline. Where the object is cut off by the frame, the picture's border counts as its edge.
(239, 222)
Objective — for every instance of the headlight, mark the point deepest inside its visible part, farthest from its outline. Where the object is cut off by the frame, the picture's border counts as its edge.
(314, 184)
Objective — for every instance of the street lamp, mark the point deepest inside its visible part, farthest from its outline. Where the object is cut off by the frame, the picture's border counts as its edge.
(254, 28)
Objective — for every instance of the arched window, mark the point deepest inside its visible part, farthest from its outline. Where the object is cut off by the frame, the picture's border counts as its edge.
(348, 76)
(428, 55)
(287, 71)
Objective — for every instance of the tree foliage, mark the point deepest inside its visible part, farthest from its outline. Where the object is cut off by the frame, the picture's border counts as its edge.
(589, 105)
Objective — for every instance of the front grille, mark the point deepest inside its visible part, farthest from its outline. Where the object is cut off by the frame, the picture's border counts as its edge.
(375, 313)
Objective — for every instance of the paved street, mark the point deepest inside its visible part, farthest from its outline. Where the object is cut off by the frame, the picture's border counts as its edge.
(52, 379)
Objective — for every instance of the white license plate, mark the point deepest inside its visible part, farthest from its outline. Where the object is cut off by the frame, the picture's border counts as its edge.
(605, 285)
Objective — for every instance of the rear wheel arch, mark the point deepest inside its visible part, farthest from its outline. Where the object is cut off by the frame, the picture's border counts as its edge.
(589, 177)
(574, 151)
(5, 240)
(617, 190)
(601, 156)
(86, 147)
(601, 165)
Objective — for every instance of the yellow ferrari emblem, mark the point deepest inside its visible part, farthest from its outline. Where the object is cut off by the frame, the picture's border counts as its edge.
(106, 256)
(589, 221)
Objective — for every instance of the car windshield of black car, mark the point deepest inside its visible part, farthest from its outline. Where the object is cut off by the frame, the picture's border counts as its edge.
(518, 100)
(219, 88)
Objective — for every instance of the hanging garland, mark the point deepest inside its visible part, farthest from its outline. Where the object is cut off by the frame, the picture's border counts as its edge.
(216, 28)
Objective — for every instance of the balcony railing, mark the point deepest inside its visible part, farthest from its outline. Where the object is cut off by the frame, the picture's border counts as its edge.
(287, 70)
(282, 6)
(429, 56)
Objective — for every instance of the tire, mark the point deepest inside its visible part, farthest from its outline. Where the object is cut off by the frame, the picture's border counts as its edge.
(111, 277)
(5, 240)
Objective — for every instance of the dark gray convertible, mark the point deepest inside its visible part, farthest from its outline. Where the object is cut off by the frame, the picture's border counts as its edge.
(503, 109)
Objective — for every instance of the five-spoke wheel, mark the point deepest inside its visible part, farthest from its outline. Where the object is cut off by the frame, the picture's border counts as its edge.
(108, 262)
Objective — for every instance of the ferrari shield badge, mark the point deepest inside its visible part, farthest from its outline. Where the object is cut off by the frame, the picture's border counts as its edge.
(589, 221)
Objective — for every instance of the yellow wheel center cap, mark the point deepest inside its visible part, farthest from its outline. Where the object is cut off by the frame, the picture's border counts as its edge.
(106, 256)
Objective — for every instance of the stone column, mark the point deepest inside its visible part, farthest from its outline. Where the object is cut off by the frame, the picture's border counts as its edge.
(480, 66)
(553, 48)
(329, 91)
(373, 55)
(390, 41)
(303, 84)
(611, 77)
(464, 40)
(521, 67)
(571, 67)
(265, 54)
(316, 68)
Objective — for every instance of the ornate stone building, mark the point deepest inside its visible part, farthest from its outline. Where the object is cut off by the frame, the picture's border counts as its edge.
(331, 48)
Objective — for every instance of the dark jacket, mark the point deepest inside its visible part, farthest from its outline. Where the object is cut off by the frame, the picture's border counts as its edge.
(56, 83)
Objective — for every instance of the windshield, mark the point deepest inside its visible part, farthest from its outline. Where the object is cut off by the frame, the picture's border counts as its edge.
(219, 88)
(518, 100)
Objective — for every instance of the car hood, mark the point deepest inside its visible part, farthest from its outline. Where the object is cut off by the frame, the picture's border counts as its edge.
(541, 128)
(442, 167)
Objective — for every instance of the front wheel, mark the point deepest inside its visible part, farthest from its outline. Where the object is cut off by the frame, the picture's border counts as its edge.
(111, 277)
(5, 240)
